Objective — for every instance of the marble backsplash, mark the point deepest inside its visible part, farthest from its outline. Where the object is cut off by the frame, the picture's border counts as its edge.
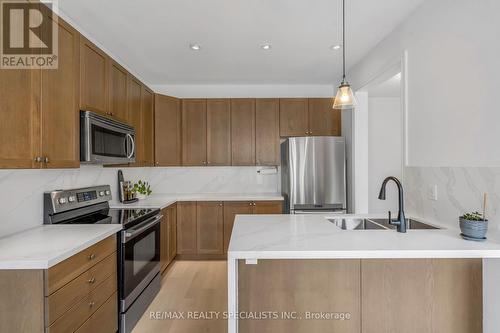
(459, 190)
(21, 205)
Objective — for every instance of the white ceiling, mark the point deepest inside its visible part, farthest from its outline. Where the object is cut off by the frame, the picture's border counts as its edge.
(152, 37)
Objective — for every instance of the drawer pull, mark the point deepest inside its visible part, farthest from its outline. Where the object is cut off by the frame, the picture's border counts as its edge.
(92, 256)
(92, 280)
(91, 304)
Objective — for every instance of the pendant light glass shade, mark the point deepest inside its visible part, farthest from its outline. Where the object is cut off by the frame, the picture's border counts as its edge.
(344, 100)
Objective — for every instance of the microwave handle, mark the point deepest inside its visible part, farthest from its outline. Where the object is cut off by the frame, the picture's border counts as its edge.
(131, 138)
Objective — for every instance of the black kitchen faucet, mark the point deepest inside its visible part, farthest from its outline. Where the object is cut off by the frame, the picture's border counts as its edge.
(401, 220)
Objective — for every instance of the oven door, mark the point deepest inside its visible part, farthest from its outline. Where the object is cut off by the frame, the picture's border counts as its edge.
(139, 259)
(105, 141)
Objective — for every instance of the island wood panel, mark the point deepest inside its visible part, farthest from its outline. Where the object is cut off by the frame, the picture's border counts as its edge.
(243, 131)
(60, 121)
(148, 128)
(135, 117)
(209, 227)
(186, 228)
(167, 131)
(294, 117)
(118, 87)
(328, 286)
(19, 118)
(231, 209)
(268, 207)
(218, 132)
(194, 132)
(323, 120)
(422, 295)
(94, 76)
(267, 131)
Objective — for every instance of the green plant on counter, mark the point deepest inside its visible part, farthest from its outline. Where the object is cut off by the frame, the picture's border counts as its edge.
(142, 188)
(476, 216)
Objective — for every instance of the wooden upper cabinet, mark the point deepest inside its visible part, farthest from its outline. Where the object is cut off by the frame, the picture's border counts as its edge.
(186, 228)
(294, 117)
(135, 117)
(118, 82)
(148, 129)
(231, 209)
(323, 120)
(194, 132)
(267, 135)
(94, 76)
(218, 132)
(167, 131)
(243, 131)
(19, 118)
(209, 230)
(59, 104)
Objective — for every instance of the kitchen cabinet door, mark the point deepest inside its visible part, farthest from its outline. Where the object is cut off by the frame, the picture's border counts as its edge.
(167, 131)
(186, 228)
(210, 224)
(268, 207)
(118, 87)
(267, 135)
(323, 120)
(59, 104)
(243, 131)
(294, 117)
(194, 132)
(164, 239)
(172, 242)
(231, 209)
(218, 132)
(94, 76)
(135, 117)
(147, 109)
(422, 295)
(19, 118)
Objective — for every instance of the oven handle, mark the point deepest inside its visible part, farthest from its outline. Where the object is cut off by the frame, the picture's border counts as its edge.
(126, 236)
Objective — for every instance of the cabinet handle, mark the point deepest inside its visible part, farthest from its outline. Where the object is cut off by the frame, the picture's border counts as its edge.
(91, 303)
(46, 159)
(220, 204)
(91, 281)
(91, 256)
(38, 159)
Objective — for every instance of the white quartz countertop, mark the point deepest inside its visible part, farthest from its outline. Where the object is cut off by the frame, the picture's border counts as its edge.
(45, 246)
(164, 200)
(314, 237)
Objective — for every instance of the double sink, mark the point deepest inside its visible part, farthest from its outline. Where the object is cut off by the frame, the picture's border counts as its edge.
(376, 224)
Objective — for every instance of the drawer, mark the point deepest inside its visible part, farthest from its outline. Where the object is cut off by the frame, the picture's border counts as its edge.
(64, 298)
(82, 311)
(67, 270)
(104, 320)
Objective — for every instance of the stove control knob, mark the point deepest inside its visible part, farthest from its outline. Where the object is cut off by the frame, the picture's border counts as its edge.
(71, 199)
(108, 192)
(62, 201)
(101, 194)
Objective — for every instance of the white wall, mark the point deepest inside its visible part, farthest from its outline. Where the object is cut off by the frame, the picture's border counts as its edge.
(384, 150)
(22, 190)
(360, 150)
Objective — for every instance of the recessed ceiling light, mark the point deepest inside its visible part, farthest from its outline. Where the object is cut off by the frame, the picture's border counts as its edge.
(266, 46)
(195, 47)
(336, 47)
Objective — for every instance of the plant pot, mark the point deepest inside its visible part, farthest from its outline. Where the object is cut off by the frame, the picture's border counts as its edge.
(141, 196)
(473, 229)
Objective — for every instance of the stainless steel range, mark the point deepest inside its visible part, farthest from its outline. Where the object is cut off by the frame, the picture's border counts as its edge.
(138, 243)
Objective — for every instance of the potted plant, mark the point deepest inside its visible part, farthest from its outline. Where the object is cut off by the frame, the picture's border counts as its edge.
(473, 226)
(142, 189)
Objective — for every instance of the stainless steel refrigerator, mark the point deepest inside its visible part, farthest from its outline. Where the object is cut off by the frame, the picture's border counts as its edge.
(313, 175)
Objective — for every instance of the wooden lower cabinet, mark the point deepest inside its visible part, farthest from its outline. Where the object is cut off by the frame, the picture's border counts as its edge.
(231, 209)
(422, 295)
(77, 295)
(268, 207)
(209, 227)
(186, 228)
(168, 234)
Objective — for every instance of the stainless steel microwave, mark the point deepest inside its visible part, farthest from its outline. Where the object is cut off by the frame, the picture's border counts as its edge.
(105, 141)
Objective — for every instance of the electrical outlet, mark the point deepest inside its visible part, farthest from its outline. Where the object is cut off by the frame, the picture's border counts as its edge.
(433, 193)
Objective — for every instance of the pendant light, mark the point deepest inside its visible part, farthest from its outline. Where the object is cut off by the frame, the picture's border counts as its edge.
(345, 99)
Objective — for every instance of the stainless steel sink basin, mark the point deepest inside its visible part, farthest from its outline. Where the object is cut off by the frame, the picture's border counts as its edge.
(356, 224)
(410, 224)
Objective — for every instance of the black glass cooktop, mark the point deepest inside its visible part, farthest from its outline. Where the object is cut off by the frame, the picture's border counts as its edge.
(126, 217)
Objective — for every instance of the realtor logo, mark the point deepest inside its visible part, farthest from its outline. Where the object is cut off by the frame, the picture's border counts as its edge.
(29, 35)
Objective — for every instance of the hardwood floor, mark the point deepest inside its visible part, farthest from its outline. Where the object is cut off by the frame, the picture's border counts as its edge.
(189, 288)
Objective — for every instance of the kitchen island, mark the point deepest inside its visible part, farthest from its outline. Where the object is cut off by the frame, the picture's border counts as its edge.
(302, 273)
